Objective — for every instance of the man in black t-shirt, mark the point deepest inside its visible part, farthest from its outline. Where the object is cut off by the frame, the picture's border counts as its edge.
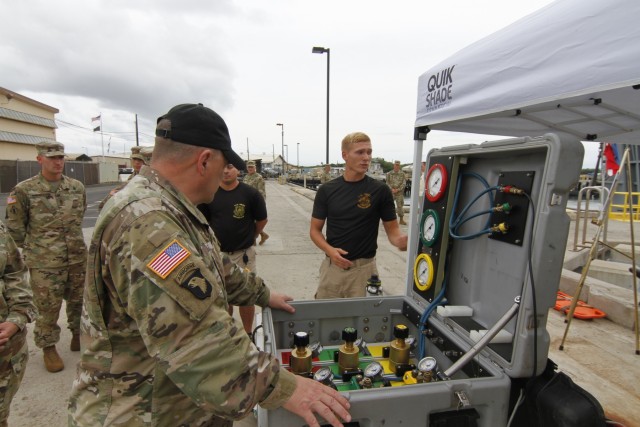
(352, 206)
(237, 215)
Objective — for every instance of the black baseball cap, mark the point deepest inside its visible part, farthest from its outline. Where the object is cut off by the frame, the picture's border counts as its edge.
(195, 124)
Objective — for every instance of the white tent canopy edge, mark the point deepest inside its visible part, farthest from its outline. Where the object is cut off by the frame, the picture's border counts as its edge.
(572, 68)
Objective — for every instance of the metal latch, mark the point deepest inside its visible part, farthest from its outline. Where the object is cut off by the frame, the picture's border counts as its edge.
(463, 400)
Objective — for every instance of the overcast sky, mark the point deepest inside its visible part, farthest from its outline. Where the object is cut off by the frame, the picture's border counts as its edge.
(248, 60)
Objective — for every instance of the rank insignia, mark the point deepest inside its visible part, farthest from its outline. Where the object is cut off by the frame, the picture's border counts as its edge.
(168, 259)
(197, 285)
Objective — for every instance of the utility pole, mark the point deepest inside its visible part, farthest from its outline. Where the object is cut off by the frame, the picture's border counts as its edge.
(137, 138)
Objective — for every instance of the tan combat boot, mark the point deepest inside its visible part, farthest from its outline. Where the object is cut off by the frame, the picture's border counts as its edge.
(75, 342)
(52, 360)
(402, 221)
(263, 238)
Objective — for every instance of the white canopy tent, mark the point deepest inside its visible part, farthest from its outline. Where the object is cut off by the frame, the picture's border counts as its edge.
(572, 68)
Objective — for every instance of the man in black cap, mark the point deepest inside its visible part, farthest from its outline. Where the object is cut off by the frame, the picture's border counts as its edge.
(159, 347)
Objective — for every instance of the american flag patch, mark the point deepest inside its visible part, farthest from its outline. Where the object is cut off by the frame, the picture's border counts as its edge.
(11, 200)
(168, 259)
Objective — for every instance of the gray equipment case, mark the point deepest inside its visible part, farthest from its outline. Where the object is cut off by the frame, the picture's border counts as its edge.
(486, 279)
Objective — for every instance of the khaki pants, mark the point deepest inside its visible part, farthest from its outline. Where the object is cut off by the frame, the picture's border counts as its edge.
(236, 257)
(50, 286)
(336, 282)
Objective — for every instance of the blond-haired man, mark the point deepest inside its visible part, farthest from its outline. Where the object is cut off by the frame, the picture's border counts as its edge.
(352, 206)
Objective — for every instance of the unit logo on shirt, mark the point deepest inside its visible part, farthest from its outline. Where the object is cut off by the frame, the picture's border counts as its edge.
(238, 210)
(364, 201)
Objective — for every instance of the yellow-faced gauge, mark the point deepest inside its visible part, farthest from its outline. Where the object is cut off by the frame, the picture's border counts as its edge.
(429, 227)
(436, 182)
(423, 272)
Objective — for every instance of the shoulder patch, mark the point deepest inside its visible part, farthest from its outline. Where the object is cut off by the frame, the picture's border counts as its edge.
(197, 285)
(11, 200)
(168, 259)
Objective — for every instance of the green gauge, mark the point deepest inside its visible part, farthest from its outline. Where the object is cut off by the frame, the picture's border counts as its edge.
(423, 272)
(429, 227)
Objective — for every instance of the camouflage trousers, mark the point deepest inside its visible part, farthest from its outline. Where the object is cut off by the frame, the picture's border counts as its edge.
(399, 199)
(50, 286)
(13, 361)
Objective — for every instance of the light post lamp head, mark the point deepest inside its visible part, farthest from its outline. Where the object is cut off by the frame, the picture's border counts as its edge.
(317, 49)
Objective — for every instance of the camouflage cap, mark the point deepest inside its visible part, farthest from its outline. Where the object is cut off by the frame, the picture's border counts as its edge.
(135, 153)
(50, 148)
(251, 163)
(397, 162)
(147, 152)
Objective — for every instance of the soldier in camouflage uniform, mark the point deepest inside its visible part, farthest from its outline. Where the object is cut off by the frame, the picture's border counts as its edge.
(16, 310)
(159, 347)
(138, 159)
(255, 180)
(44, 217)
(396, 181)
(326, 175)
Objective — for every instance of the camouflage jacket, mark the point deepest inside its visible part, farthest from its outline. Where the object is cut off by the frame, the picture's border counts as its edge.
(16, 298)
(396, 180)
(325, 177)
(158, 345)
(48, 224)
(256, 181)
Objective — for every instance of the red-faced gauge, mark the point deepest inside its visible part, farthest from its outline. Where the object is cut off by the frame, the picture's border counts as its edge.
(436, 182)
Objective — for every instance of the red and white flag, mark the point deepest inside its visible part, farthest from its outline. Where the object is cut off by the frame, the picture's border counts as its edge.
(93, 119)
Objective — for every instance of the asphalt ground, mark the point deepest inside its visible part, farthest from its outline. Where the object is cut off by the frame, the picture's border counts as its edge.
(598, 355)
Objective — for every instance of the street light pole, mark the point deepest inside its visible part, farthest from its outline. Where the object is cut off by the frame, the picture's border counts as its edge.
(282, 154)
(287, 160)
(322, 50)
(298, 156)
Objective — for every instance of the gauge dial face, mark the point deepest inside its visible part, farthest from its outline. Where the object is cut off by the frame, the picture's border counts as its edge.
(436, 182)
(316, 347)
(429, 227)
(373, 370)
(427, 364)
(323, 375)
(423, 272)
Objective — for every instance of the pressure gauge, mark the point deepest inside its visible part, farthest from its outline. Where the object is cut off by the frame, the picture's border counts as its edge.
(429, 227)
(428, 364)
(423, 272)
(373, 370)
(436, 182)
(316, 348)
(323, 375)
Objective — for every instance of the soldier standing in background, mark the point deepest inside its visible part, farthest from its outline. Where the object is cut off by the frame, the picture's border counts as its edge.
(256, 181)
(138, 160)
(16, 310)
(326, 175)
(44, 217)
(396, 181)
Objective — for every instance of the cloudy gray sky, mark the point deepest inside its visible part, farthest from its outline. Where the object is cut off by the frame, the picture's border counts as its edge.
(249, 60)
